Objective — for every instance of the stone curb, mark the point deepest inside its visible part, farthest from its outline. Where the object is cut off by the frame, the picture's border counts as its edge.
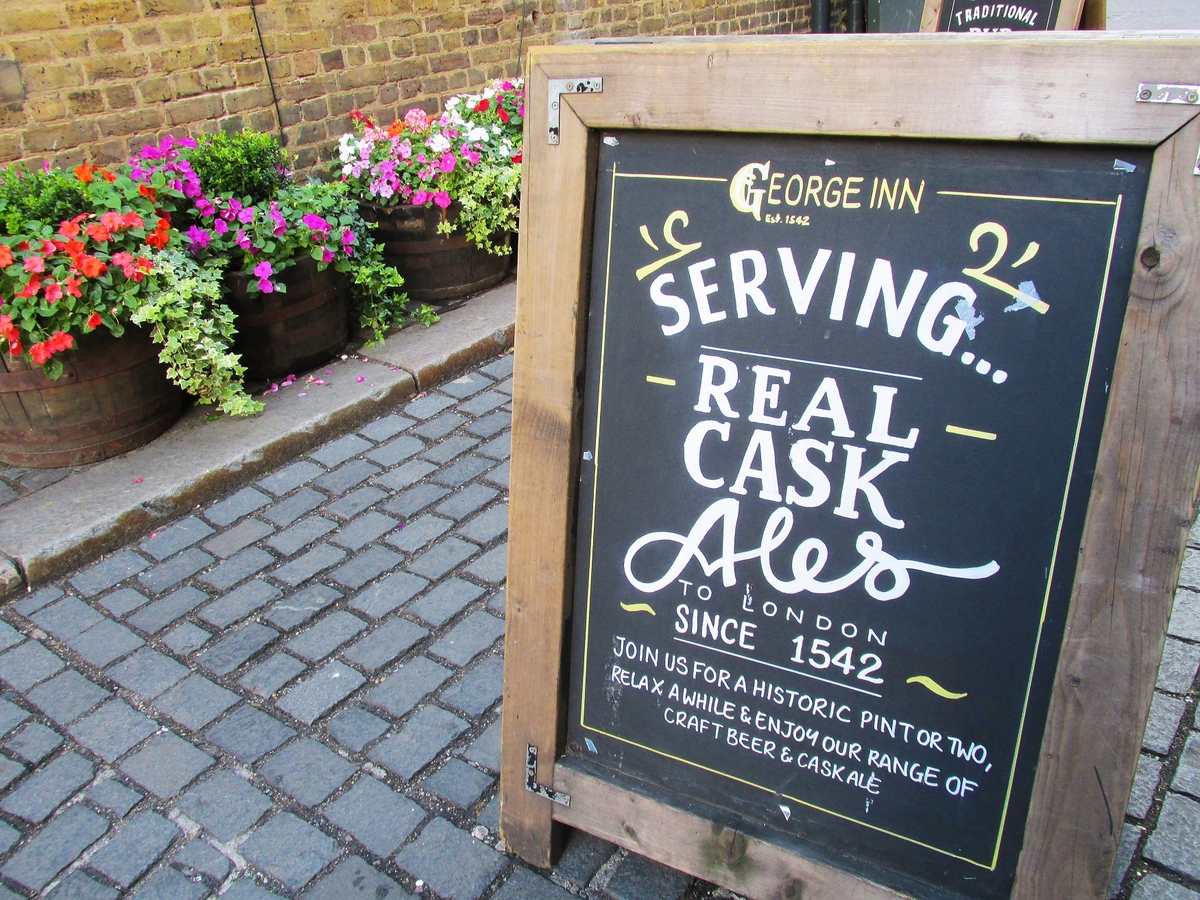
(106, 505)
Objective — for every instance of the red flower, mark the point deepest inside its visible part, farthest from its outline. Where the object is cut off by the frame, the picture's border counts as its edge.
(75, 251)
(6, 256)
(72, 284)
(159, 237)
(31, 287)
(517, 157)
(112, 221)
(107, 175)
(146, 191)
(132, 220)
(482, 105)
(41, 352)
(92, 267)
(98, 233)
(502, 114)
(54, 291)
(93, 321)
(15, 348)
(83, 173)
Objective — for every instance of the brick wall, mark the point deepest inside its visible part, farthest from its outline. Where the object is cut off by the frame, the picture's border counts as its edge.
(92, 80)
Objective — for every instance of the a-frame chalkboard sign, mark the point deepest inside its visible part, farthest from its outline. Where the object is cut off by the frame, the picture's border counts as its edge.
(976, 16)
(854, 447)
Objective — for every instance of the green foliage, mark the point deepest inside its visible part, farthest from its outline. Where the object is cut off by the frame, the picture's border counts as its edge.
(490, 207)
(381, 305)
(195, 330)
(246, 164)
(46, 197)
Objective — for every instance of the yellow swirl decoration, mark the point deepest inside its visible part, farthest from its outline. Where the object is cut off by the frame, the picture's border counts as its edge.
(926, 682)
(638, 607)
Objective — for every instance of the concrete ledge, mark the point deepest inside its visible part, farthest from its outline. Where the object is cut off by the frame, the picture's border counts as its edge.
(105, 506)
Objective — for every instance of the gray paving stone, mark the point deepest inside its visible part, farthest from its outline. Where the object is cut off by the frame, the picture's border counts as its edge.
(1145, 780)
(354, 728)
(524, 885)
(388, 642)
(176, 537)
(1155, 887)
(34, 742)
(388, 426)
(9, 771)
(396, 451)
(185, 639)
(506, 386)
(124, 601)
(466, 502)
(379, 817)
(443, 556)
(55, 847)
(1187, 775)
(271, 674)
(31, 603)
(312, 563)
(347, 476)
(582, 858)
(307, 770)
(105, 642)
(415, 499)
(26, 665)
(491, 424)
(318, 641)
(67, 696)
(110, 794)
(408, 685)
(1165, 713)
(148, 673)
(8, 837)
(315, 696)
(1189, 571)
(492, 566)
(468, 638)
(296, 609)
(290, 849)
(236, 605)
(406, 475)
(451, 862)
(76, 886)
(1185, 616)
(225, 805)
(365, 566)
(427, 406)
(463, 471)
(446, 600)
(109, 572)
(135, 848)
(168, 884)
(195, 702)
(381, 598)
(198, 858)
(66, 618)
(458, 782)
(238, 568)
(419, 742)
(359, 532)
(499, 448)
(1178, 668)
(48, 788)
(287, 479)
(340, 450)
(500, 368)
(246, 889)
(112, 730)
(11, 716)
(285, 512)
(9, 636)
(489, 816)
(249, 733)
(466, 385)
(484, 403)
(440, 426)
(166, 765)
(448, 449)
(166, 575)
(638, 878)
(355, 878)
(229, 510)
(1175, 842)
(487, 526)
(241, 535)
(350, 505)
(303, 533)
(233, 650)
(498, 476)
(161, 613)
(479, 689)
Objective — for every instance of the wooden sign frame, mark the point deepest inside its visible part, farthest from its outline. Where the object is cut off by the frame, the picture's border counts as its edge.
(1070, 12)
(1079, 88)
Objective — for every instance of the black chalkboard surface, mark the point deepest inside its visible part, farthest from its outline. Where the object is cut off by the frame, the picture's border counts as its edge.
(984, 15)
(842, 408)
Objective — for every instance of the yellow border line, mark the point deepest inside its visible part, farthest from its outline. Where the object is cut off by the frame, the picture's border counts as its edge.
(971, 432)
(672, 177)
(657, 379)
(1021, 197)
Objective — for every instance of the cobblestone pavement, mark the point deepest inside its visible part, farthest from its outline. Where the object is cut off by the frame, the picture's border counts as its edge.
(295, 692)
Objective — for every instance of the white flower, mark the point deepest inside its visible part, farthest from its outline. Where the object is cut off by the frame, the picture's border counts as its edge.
(438, 143)
(477, 134)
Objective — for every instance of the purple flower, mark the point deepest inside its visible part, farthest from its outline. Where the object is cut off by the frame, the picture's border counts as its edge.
(246, 215)
(199, 237)
(205, 207)
(220, 227)
(241, 240)
(264, 270)
(327, 255)
(316, 224)
(348, 240)
(278, 219)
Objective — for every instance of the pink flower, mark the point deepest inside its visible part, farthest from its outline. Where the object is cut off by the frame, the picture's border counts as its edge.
(316, 224)
(420, 198)
(199, 237)
(246, 215)
(35, 264)
(348, 240)
(446, 163)
(442, 199)
(241, 240)
(264, 270)
(327, 255)
(220, 227)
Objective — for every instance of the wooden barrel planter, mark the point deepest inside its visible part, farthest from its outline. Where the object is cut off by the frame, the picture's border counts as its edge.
(113, 396)
(283, 333)
(436, 267)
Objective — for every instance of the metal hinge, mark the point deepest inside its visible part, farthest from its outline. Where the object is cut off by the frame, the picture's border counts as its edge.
(1150, 92)
(531, 785)
(560, 86)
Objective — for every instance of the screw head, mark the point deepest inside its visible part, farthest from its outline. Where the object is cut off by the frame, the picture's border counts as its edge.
(1146, 94)
(1192, 97)
(1150, 257)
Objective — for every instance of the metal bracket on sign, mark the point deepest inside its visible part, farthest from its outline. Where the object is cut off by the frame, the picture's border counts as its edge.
(1150, 92)
(1197, 169)
(531, 785)
(560, 86)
